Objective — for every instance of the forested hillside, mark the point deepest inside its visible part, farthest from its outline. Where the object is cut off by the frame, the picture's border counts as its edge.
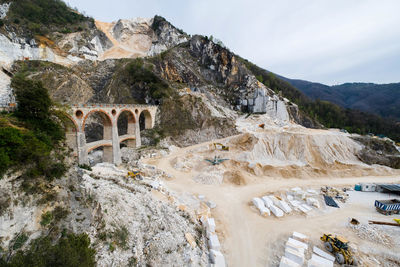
(380, 99)
(329, 114)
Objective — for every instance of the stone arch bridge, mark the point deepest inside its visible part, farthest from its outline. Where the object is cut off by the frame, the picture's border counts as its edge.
(109, 113)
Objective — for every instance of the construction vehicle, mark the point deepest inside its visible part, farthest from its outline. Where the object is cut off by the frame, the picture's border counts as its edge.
(340, 248)
(217, 160)
(221, 147)
(134, 175)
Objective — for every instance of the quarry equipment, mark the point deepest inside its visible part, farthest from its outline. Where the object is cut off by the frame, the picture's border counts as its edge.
(220, 146)
(134, 175)
(340, 248)
(388, 207)
(217, 160)
(385, 223)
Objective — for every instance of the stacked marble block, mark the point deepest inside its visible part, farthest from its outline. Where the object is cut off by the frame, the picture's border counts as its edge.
(216, 257)
(295, 254)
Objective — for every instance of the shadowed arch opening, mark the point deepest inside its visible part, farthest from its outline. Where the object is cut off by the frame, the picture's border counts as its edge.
(97, 126)
(126, 122)
(145, 120)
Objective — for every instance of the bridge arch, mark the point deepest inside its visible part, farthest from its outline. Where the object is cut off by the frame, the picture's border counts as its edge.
(127, 128)
(145, 120)
(110, 136)
(106, 123)
(126, 121)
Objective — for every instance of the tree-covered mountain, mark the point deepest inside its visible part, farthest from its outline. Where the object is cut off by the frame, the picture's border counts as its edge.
(380, 99)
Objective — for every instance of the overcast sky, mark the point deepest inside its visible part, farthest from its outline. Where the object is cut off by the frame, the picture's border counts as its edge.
(328, 41)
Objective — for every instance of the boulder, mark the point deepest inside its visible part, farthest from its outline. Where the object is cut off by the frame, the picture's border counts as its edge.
(294, 255)
(317, 261)
(276, 211)
(284, 206)
(267, 201)
(323, 254)
(300, 237)
(297, 244)
(217, 258)
(264, 211)
(313, 202)
(285, 262)
(210, 224)
(213, 242)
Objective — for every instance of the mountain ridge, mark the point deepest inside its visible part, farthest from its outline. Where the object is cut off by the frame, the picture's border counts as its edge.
(380, 99)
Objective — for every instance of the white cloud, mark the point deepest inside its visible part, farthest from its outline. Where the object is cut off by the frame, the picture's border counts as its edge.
(318, 40)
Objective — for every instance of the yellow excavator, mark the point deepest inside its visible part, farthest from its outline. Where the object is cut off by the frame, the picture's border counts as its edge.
(134, 175)
(340, 248)
(221, 146)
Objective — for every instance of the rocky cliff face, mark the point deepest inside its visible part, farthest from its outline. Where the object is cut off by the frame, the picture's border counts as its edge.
(126, 222)
(100, 41)
(95, 69)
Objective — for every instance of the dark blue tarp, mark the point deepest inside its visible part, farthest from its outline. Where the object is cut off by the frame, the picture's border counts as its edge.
(330, 202)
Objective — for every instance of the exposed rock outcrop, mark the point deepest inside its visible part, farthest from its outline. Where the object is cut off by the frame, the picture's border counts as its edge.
(125, 220)
(378, 151)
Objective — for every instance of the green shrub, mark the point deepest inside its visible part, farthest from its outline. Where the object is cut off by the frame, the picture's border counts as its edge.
(139, 73)
(70, 251)
(1, 23)
(85, 167)
(60, 213)
(47, 217)
(121, 237)
(40, 15)
(19, 241)
(30, 147)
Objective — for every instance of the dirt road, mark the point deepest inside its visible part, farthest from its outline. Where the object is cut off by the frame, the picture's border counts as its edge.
(251, 240)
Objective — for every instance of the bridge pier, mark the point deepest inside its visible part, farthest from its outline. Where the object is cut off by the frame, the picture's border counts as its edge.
(116, 150)
(108, 155)
(82, 149)
(137, 134)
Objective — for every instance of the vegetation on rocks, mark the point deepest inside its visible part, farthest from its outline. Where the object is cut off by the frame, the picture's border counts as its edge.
(30, 134)
(44, 16)
(70, 250)
(140, 73)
